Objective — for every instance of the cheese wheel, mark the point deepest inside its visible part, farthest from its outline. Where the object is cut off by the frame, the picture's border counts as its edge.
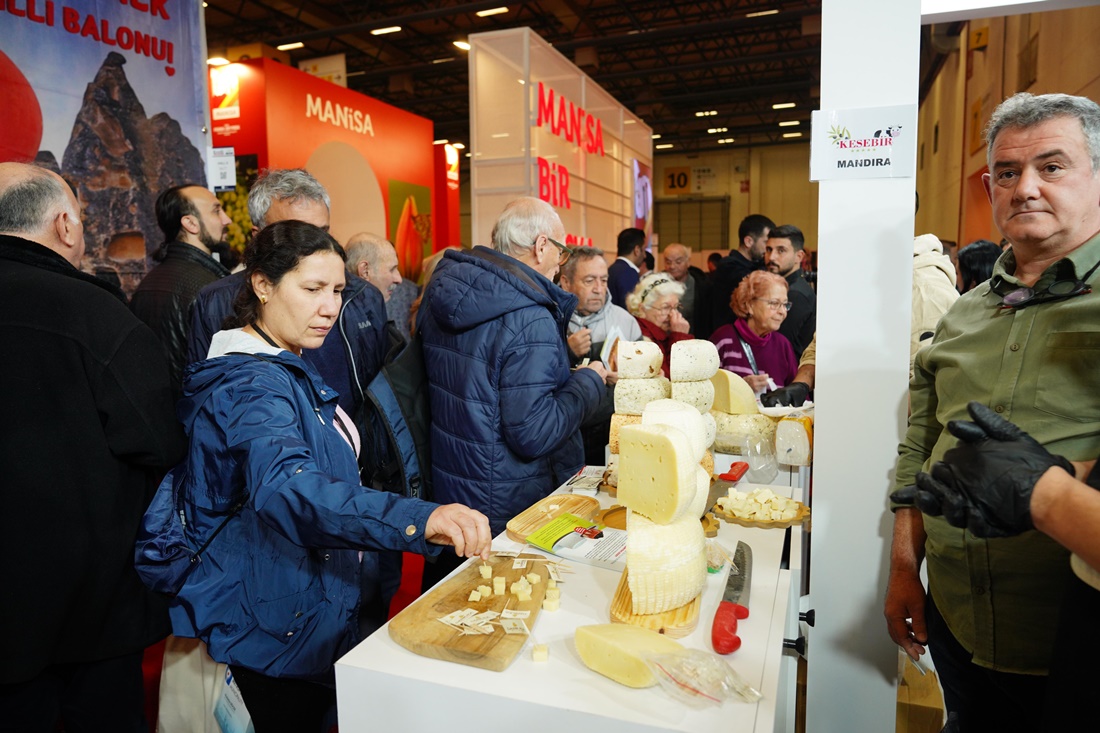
(679, 415)
(619, 651)
(794, 439)
(666, 563)
(656, 471)
(631, 395)
(733, 394)
(638, 359)
(692, 361)
(708, 463)
(702, 492)
(710, 427)
(699, 395)
(733, 429)
(617, 421)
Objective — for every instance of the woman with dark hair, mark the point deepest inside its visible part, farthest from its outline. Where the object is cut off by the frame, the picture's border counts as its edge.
(272, 466)
(976, 263)
(751, 346)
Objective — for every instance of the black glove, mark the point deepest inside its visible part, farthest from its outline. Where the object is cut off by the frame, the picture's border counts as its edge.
(984, 484)
(794, 394)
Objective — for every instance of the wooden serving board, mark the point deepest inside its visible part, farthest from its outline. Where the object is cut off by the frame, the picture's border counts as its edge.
(418, 629)
(538, 514)
(677, 623)
(803, 517)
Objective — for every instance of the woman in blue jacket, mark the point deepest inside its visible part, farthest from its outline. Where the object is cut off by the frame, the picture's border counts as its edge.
(277, 595)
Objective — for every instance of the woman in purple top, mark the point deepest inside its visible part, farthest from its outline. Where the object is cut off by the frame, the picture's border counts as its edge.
(751, 347)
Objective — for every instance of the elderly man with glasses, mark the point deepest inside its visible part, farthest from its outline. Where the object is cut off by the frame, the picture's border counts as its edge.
(506, 408)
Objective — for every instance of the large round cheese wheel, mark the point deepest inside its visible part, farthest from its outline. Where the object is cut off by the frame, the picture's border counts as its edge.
(638, 359)
(699, 395)
(632, 395)
(693, 361)
(710, 427)
(657, 475)
(679, 415)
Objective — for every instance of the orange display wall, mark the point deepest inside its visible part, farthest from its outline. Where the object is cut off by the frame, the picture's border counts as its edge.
(377, 162)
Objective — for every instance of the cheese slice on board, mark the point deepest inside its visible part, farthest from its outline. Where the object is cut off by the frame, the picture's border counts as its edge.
(656, 471)
(699, 395)
(617, 422)
(632, 395)
(692, 361)
(733, 394)
(679, 415)
(638, 359)
(619, 651)
(667, 563)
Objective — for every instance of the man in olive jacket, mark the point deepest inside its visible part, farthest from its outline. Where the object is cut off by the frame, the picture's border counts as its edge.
(87, 429)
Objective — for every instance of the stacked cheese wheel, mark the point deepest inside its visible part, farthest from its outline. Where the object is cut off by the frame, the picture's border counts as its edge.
(736, 414)
(794, 438)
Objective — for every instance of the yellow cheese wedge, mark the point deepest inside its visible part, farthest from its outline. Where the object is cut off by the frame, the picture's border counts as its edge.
(679, 415)
(733, 394)
(617, 421)
(619, 651)
(656, 471)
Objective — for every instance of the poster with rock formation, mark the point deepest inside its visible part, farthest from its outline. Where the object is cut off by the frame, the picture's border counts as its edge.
(111, 95)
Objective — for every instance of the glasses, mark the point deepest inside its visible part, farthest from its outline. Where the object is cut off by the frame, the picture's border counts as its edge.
(664, 310)
(566, 252)
(776, 304)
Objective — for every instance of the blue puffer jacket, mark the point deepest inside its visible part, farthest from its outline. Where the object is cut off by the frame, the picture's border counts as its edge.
(506, 410)
(277, 590)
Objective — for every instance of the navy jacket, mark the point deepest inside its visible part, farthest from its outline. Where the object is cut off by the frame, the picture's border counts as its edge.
(621, 281)
(278, 589)
(506, 410)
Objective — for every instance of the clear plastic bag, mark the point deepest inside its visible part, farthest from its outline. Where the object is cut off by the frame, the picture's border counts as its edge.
(760, 455)
(700, 679)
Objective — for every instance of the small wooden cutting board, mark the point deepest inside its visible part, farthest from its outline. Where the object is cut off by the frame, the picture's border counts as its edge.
(418, 629)
(675, 623)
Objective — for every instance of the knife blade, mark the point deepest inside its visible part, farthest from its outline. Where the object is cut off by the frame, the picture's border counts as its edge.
(735, 602)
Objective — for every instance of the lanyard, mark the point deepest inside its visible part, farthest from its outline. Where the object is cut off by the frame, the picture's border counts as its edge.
(748, 355)
(271, 341)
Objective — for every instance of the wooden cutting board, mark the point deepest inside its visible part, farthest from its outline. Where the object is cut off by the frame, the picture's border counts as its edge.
(542, 511)
(676, 623)
(418, 629)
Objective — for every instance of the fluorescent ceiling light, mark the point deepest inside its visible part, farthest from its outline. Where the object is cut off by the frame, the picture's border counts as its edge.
(463, 45)
(783, 105)
(792, 134)
(714, 130)
(656, 136)
(725, 140)
(384, 31)
(491, 11)
(458, 146)
(664, 146)
(790, 123)
(440, 142)
(443, 61)
(762, 12)
(291, 46)
(217, 61)
(707, 113)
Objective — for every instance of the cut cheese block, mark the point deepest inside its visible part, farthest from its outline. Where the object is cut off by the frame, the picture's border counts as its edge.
(699, 395)
(794, 439)
(733, 394)
(708, 463)
(638, 359)
(679, 415)
(656, 471)
(698, 505)
(632, 395)
(619, 651)
(733, 429)
(693, 361)
(667, 562)
(617, 421)
(710, 427)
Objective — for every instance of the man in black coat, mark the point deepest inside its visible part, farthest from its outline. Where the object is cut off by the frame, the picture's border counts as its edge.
(194, 227)
(623, 274)
(87, 429)
(783, 255)
(732, 269)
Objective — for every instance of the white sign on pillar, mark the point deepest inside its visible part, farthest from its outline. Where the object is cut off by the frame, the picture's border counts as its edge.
(879, 142)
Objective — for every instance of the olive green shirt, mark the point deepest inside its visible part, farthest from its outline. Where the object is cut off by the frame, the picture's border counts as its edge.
(1039, 367)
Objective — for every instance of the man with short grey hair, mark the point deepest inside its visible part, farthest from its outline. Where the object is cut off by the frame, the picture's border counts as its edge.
(288, 193)
(88, 429)
(1025, 345)
(678, 266)
(374, 259)
(506, 407)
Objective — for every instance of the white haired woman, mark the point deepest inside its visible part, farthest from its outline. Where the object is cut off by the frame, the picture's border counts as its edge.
(655, 303)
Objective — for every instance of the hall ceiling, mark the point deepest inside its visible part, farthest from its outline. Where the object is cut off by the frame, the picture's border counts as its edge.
(663, 59)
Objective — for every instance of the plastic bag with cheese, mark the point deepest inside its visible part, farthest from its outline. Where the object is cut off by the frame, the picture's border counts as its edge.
(700, 679)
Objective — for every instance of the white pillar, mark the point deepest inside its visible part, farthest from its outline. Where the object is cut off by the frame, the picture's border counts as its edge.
(869, 58)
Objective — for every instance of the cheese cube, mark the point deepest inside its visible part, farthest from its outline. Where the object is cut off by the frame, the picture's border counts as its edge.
(474, 596)
(485, 591)
(699, 395)
(525, 595)
(553, 594)
(638, 359)
(656, 471)
(619, 651)
(534, 578)
(631, 395)
(540, 652)
(498, 585)
(551, 584)
(551, 604)
(692, 361)
(679, 415)
(733, 395)
(486, 570)
(617, 422)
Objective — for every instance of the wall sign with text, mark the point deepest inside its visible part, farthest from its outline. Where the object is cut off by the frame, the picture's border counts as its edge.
(876, 142)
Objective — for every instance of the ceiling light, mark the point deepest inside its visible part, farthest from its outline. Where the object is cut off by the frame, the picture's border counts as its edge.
(664, 146)
(498, 135)
(458, 146)
(440, 142)
(205, 5)
(656, 136)
(707, 113)
(217, 61)
(443, 61)
(725, 140)
(792, 134)
(790, 123)
(714, 130)
(762, 12)
(491, 11)
(463, 45)
(783, 105)
(291, 46)
(384, 31)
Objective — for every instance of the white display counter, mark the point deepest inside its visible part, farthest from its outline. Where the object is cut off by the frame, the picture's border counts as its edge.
(383, 686)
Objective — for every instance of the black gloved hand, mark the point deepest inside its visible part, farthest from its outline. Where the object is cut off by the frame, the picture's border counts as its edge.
(794, 394)
(984, 484)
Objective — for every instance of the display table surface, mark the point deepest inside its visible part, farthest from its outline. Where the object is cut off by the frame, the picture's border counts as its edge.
(383, 686)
